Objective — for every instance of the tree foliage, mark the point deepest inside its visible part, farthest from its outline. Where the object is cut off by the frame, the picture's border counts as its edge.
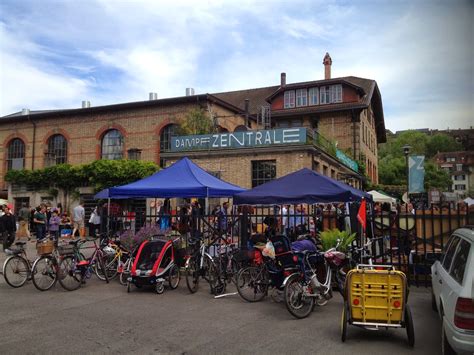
(99, 174)
(442, 143)
(392, 164)
(197, 121)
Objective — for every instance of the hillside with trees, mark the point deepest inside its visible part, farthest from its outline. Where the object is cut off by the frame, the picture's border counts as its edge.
(392, 165)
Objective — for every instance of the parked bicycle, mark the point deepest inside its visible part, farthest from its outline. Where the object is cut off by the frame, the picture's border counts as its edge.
(74, 269)
(310, 284)
(17, 266)
(253, 282)
(45, 268)
(200, 264)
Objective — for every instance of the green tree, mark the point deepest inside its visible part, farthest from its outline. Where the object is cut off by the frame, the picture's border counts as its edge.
(442, 143)
(197, 121)
(392, 163)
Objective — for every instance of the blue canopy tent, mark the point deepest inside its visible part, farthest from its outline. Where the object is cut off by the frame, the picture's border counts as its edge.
(182, 179)
(302, 186)
(105, 194)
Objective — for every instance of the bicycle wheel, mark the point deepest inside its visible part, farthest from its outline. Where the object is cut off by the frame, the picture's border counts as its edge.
(125, 272)
(235, 267)
(174, 277)
(252, 283)
(43, 272)
(216, 280)
(16, 271)
(99, 269)
(111, 265)
(298, 303)
(192, 274)
(69, 277)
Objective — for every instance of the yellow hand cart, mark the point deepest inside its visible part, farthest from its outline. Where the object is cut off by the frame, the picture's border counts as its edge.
(376, 297)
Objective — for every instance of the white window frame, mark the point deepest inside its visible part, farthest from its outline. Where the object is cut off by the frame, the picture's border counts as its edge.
(289, 99)
(336, 93)
(458, 167)
(301, 97)
(313, 96)
(325, 95)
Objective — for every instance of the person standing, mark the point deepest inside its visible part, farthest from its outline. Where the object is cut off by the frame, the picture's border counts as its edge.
(24, 215)
(8, 226)
(39, 220)
(94, 222)
(78, 217)
(222, 217)
(54, 223)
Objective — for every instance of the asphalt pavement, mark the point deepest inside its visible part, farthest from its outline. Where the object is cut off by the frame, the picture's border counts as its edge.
(104, 318)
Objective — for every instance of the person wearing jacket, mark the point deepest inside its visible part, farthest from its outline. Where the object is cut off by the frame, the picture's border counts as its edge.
(8, 227)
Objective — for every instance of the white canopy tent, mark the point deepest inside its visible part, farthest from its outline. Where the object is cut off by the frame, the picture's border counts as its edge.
(380, 197)
(469, 201)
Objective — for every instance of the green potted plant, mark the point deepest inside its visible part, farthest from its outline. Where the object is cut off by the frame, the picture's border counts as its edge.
(331, 237)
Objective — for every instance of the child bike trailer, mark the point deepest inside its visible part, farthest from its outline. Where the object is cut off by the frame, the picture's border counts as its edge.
(155, 264)
(375, 298)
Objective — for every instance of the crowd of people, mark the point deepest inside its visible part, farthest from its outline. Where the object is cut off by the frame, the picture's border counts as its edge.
(43, 221)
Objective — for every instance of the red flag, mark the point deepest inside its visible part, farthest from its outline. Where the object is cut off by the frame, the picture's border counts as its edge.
(361, 215)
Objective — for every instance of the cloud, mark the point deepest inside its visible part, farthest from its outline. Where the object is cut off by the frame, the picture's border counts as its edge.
(28, 83)
(118, 51)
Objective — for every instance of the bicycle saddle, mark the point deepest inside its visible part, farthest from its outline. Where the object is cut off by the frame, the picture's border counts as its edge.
(74, 242)
(20, 243)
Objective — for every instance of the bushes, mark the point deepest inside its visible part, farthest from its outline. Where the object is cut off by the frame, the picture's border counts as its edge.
(100, 174)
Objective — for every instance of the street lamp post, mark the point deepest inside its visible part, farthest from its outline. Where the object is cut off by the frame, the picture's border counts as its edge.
(406, 151)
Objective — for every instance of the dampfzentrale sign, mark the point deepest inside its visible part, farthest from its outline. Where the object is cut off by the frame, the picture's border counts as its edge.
(235, 140)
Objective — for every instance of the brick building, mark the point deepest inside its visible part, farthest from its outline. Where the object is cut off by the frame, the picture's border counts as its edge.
(460, 166)
(339, 121)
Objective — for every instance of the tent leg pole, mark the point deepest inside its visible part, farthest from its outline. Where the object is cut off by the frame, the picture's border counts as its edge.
(108, 216)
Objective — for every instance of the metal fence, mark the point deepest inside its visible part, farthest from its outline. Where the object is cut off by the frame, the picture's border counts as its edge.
(409, 240)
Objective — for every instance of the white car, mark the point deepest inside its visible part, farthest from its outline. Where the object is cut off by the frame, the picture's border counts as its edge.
(453, 292)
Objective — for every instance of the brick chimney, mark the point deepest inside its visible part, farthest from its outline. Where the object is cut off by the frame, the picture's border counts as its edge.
(283, 79)
(327, 61)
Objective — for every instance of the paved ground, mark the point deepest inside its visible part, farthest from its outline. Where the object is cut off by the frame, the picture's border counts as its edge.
(101, 318)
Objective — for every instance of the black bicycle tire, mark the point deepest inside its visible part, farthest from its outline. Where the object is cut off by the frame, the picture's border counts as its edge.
(34, 272)
(102, 265)
(28, 273)
(239, 288)
(100, 262)
(296, 278)
(192, 277)
(61, 278)
(172, 286)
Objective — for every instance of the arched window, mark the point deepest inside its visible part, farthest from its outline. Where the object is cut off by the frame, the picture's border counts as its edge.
(16, 155)
(165, 136)
(112, 145)
(57, 150)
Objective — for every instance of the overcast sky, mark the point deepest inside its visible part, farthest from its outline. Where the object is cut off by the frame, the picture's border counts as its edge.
(54, 54)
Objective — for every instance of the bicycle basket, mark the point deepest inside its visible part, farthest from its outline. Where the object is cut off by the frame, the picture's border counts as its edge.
(46, 247)
(66, 249)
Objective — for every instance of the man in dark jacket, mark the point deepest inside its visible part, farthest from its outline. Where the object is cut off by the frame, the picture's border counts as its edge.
(8, 228)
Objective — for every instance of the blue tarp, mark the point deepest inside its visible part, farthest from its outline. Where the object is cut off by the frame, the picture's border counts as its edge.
(182, 179)
(105, 194)
(302, 186)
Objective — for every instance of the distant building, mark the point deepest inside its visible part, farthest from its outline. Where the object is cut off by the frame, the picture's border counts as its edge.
(460, 166)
